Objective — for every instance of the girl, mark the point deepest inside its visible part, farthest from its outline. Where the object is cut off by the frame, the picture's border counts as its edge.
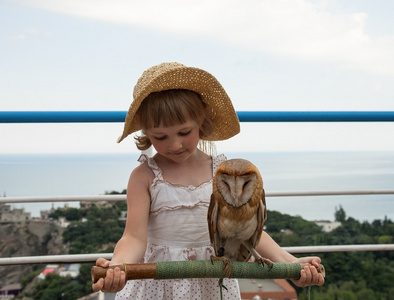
(177, 108)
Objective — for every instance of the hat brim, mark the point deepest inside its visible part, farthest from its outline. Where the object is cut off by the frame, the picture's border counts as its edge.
(168, 76)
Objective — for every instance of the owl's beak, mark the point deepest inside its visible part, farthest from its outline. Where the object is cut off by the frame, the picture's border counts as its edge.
(236, 195)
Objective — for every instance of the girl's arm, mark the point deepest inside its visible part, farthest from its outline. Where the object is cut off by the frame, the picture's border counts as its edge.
(268, 248)
(132, 245)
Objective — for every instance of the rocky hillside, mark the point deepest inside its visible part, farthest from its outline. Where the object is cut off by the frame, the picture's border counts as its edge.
(27, 239)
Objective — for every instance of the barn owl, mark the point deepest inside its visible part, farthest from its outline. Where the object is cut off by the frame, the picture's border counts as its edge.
(237, 212)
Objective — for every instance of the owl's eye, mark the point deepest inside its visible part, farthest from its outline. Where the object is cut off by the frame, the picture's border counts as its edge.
(245, 184)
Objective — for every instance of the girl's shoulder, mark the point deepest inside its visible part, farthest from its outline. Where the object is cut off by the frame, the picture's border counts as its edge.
(143, 172)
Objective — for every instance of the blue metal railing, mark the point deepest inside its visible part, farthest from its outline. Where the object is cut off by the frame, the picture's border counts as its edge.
(244, 116)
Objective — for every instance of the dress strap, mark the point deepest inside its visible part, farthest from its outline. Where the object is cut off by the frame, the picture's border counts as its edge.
(152, 165)
(216, 161)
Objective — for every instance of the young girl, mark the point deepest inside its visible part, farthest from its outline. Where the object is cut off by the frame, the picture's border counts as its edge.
(177, 108)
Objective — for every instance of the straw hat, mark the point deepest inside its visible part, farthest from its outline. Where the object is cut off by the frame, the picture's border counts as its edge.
(167, 76)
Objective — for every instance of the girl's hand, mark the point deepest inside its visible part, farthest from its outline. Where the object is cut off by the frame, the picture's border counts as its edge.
(114, 281)
(309, 275)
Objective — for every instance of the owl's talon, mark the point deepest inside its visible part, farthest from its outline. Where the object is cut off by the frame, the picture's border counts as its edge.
(226, 264)
(225, 260)
(270, 267)
(264, 261)
(221, 285)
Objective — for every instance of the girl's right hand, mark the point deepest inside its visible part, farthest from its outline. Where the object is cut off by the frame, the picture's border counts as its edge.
(114, 281)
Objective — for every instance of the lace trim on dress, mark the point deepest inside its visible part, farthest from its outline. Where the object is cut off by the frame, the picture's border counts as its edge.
(158, 179)
(159, 174)
(172, 208)
(216, 161)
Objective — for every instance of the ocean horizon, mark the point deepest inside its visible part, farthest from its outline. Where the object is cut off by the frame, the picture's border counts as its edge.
(24, 175)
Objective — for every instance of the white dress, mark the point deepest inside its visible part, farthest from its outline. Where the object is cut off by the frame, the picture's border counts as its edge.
(178, 231)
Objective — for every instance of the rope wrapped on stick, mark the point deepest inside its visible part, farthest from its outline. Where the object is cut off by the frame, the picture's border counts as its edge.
(204, 269)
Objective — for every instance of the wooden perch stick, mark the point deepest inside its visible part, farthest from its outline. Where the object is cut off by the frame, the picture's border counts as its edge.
(204, 269)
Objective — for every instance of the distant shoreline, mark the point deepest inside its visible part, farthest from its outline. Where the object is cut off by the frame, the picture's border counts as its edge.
(72, 174)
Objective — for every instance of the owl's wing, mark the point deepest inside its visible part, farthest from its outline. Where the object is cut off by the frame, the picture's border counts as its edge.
(212, 223)
(261, 218)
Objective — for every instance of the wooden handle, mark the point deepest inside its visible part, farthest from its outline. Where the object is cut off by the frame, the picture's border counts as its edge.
(320, 269)
(132, 271)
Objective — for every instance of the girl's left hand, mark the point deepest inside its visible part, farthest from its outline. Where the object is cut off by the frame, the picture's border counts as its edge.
(309, 275)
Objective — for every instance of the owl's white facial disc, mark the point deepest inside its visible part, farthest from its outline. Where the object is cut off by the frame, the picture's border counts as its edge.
(236, 190)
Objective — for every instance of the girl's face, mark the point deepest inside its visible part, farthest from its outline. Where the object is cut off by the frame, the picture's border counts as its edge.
(176, 143)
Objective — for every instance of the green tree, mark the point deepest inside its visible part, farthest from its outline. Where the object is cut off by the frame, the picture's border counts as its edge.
(54, 287)
(366, 294)
(73, 214)
(84, 278)
(350, 275)
(340, 214)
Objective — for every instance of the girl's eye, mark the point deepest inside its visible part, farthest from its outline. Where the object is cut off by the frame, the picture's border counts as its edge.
(185, 133)
(160, 138)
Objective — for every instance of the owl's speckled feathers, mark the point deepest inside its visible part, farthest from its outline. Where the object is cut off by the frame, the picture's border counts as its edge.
(237, 211)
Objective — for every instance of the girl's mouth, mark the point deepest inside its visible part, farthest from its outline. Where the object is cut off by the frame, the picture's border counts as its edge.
(177, 153)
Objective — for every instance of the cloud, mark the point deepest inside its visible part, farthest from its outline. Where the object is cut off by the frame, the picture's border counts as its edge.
(20, 36)
(29, 33)
(296, 29)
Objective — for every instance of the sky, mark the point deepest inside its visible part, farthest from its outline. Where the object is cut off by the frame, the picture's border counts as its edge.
(270, 55)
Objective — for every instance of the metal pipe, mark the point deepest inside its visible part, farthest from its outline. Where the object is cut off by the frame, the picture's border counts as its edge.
(122, 197)
(244, 116)
(61, 116)
(75, 258)
(97, 198)
(45, 259)
(316, 116)
(329, 193)
(339, 248)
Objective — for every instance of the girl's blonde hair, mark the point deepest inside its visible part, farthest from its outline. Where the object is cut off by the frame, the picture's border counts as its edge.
(174, 107)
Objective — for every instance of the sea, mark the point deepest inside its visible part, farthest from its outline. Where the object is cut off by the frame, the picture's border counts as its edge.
(24, 175)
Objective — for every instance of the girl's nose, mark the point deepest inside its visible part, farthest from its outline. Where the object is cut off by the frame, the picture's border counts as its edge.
(175, 144)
